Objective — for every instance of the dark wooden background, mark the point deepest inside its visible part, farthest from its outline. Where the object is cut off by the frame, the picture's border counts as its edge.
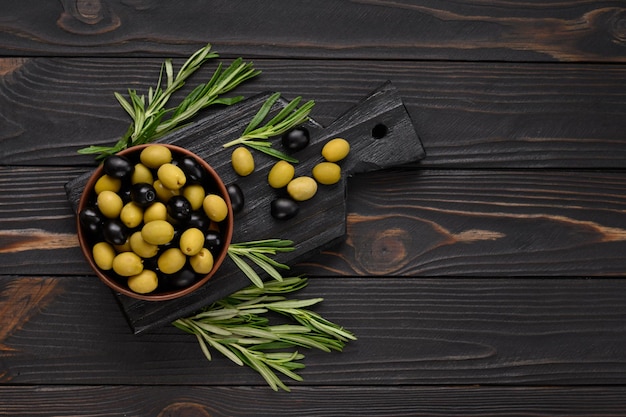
(485, 280)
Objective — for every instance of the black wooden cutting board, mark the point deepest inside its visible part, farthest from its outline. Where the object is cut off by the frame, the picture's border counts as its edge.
(381, 135)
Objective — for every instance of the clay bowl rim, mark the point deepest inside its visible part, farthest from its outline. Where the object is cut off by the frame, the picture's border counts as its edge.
(166, 295)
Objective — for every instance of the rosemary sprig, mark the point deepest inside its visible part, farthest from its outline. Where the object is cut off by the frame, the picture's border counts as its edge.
(256, 137)
(150, 116)
(238, 328)
(257, 251)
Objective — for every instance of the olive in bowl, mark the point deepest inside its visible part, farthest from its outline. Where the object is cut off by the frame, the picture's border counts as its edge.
(148, 220)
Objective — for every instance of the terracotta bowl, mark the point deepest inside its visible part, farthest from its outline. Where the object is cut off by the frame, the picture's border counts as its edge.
(163, 291)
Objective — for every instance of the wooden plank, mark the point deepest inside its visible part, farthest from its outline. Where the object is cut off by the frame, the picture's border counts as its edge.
(414, 223)
(468, 115)
(348, 401)
(420, 30)
(479, 223)
(68, 331)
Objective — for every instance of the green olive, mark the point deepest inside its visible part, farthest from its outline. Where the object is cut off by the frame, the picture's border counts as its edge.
(156, 211)
(171, 176)
(154, 156)
(141, 247)
(194, 193)
(215, 207)
(163, 192)
(141, 174)
(131, 215)
(242, 161)
(202, 262)
(281, 173)
(103, 254)
(110, 204)
(107, 183)
(171, 261)
(302, 188)
(335, 150)
(157, 232)
(327, 173)
(191, 241)
(143, 283)
(127, 264)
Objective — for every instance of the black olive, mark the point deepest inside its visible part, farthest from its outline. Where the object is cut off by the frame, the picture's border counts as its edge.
(117, 166)
(295, 139)
(179, 208)
(199, 220)
(126, 194)
(236, 197)
(91, 219)
(115, 232)
(284, 208)
(143, 194)
(181, 279)
(192, 169)
(213, 241)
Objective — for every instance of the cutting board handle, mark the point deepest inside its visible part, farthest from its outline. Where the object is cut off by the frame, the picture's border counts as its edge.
(382, 131)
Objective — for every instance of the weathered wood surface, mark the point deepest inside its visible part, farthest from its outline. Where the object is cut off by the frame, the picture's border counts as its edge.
(204, 401)
(364, 29)
(485, 280)
(467, 114)
(411, 332)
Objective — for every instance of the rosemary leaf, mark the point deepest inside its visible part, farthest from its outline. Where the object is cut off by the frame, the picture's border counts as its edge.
(254, 332)
(266, 149)
(285, 371)
(257, 137)
(290, 305)
(227, 352)
(282, 115)
(268, 243)
(246, 269)
(270, 350)
(270, 377)
(218, 314)
(148, 116)
(203, 347)
(213, 329)
(275, 264)
(125, 104)
(290, 328)
(256, 252)
(262, 113)
(267, 267)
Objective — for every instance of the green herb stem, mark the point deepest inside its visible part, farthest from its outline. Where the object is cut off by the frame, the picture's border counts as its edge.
(256, 136)
(238, 328)
(150, 116)
(257, 252)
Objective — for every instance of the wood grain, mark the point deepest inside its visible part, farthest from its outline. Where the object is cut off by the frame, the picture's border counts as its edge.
(364, 29)
(198, 401)
(468, 115)
(481, 223)
(22, 299)
(483, 281)
(410, 331)
(39, 234)
(399, 223)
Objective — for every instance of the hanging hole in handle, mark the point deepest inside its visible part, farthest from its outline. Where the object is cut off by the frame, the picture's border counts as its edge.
(379, 131)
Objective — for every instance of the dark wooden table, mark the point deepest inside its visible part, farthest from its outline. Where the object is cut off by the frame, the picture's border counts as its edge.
(485, 280)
